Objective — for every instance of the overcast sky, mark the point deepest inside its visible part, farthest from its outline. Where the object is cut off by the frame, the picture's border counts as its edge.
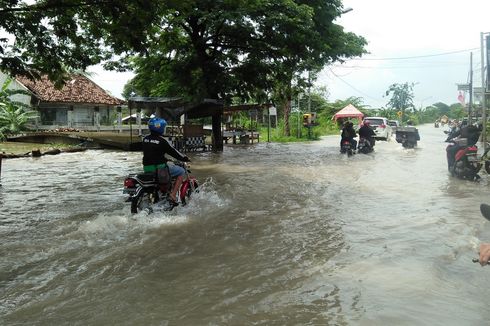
(440, 34)
(437, 36)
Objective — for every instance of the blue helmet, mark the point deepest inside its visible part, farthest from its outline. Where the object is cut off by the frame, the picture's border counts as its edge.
(157, 125)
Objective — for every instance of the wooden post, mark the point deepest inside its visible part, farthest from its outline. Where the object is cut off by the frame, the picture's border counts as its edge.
(1, 157)
(138, 120)
(119, 119)
(69, 117)
(97, 118)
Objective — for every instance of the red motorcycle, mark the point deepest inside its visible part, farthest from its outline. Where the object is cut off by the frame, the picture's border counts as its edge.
(466, 162)
(144, 191)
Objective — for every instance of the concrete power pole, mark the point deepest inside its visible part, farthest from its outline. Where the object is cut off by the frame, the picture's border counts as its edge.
(471, 89)
(484, 91)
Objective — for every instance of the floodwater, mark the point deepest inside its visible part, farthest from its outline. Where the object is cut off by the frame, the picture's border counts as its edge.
(280, 234)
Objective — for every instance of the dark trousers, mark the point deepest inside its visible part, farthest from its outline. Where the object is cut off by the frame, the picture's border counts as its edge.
(451, 151)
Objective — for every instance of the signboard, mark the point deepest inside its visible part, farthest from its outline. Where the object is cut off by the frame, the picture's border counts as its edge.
(309, 119)
(272, 110)
(478, 90)
(463, 87)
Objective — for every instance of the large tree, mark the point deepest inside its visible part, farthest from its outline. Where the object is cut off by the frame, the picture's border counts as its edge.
(48, 36)
(245, 49)
(401, 97)
(190, 48)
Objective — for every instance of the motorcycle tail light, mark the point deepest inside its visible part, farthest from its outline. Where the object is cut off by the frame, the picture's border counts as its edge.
(129, 183)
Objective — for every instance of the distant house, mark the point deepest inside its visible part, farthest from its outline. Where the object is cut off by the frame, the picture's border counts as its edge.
(80, 103)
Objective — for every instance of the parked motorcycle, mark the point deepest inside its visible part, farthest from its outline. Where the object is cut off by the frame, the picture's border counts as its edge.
(364, 146)
(346, 147)
(144, 191)
(466, 163)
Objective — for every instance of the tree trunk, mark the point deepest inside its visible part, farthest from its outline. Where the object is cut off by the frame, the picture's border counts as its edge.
(217, 136)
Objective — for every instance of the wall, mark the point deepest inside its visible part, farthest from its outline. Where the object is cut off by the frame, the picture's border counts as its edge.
(14, 85)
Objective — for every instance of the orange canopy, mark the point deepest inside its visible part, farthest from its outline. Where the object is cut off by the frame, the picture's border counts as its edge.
(349, 111)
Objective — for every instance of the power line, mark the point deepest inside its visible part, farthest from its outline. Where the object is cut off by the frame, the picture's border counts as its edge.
(419, 56)
(402, 67)
(360, 92)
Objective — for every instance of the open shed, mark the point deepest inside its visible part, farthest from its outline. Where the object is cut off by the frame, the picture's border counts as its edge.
(233, 130)
(172, 109)
(350, 111)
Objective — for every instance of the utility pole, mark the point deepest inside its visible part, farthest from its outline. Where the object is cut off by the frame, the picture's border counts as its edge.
(309, 92)
(484, 91)
(299, 122)
(471, 88)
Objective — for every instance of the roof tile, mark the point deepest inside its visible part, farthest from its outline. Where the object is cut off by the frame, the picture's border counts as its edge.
(79, 89)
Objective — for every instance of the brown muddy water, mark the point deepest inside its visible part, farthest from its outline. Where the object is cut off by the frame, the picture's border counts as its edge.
(280, 234)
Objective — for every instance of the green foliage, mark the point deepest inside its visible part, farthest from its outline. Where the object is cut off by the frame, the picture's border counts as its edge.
(401, 97)
(251, 50)
(13, 115)
(443, 108)
(51, 35)
(129, 90)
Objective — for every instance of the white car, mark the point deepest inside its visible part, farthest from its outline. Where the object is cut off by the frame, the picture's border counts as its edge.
(380, 126)
(394, 124)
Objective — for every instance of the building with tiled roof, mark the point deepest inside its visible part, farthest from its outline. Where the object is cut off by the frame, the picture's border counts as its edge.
(80, 103)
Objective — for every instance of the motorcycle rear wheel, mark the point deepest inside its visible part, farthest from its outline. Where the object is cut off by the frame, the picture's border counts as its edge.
(188, 194)
(141, 203)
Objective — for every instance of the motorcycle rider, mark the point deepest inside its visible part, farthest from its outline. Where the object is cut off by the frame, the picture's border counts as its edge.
(469, 132)
(453, 130)
(366, 132)
(348, 133)
(154, 149)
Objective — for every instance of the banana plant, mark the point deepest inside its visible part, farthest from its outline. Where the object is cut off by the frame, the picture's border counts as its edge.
(14, 115)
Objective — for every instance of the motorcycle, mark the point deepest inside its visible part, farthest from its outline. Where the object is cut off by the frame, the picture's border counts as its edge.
(407, 136)
(466, 163)
(364, 146)
(346, 147)
(144, 190)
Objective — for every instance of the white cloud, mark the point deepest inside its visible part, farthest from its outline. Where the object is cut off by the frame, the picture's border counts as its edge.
(405, 29)
(111, 81)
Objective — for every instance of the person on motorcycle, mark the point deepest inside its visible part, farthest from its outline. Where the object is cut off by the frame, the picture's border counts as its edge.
(154, 149)
(454, 129)
(469, 132)
(348, 133)
(366, 132)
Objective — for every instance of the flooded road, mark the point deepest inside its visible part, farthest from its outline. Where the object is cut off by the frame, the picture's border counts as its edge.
(280, 234)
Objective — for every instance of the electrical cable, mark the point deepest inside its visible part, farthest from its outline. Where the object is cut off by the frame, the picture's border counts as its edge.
(419, 56)
(360, 92)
